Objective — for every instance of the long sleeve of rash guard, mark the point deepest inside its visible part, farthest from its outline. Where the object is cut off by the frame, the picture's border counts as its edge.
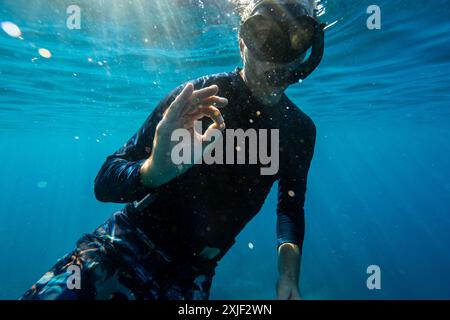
(292, 188)
(119, 179)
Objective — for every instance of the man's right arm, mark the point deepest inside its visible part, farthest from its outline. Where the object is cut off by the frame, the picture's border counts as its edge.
(144, 163)
(119, 179)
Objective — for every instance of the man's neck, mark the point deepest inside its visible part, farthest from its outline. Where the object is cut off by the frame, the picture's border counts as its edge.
(263, 92)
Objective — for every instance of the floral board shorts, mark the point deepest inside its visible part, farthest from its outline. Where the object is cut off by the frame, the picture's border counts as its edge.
(118, 261)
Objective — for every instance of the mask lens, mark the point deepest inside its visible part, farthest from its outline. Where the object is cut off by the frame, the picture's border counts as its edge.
(302, 33)
(264, 38)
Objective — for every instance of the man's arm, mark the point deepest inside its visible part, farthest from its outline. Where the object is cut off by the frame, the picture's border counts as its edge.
(119, 179)
(144, 164)
(290, 209)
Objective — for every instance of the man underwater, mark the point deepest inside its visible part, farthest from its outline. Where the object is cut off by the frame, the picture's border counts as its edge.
(179, 221)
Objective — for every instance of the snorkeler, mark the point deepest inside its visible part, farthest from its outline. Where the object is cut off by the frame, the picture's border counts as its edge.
(179, 221)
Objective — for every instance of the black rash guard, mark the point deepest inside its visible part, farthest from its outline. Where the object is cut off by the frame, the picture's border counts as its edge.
(209, 205)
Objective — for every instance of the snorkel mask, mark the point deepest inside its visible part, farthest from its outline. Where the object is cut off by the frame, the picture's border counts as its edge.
(281, 32)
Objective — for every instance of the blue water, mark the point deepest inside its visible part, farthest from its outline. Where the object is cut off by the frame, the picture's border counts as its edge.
(378, 190)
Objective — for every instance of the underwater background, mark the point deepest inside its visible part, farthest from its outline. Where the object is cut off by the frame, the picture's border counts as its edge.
(378, 189)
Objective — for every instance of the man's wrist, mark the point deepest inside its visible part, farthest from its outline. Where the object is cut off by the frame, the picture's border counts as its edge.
(148, 178)
(289, 247)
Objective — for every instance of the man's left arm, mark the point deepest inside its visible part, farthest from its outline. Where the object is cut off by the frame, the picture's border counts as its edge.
(290, 210)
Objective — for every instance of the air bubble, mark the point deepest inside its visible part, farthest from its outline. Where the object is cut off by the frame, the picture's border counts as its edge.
(11, 29)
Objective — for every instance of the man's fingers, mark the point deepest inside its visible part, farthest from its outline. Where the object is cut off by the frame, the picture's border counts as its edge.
(295, 295)
(282, 295)
(215, 101)
(198, 96)
(206, 111)
(188, 99)
(204, 93)
(180, 102)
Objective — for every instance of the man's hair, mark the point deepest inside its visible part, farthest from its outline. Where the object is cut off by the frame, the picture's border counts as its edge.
(245, 7)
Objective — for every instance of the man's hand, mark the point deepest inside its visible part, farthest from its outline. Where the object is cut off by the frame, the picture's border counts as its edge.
(188, 107)
(287, 289)
(289, 269)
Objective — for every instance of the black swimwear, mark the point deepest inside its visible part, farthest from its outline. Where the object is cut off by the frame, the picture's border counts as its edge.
(156, 252)
(210, 204)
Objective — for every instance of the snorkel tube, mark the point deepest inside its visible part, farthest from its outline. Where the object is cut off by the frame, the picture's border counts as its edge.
(314, 59)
